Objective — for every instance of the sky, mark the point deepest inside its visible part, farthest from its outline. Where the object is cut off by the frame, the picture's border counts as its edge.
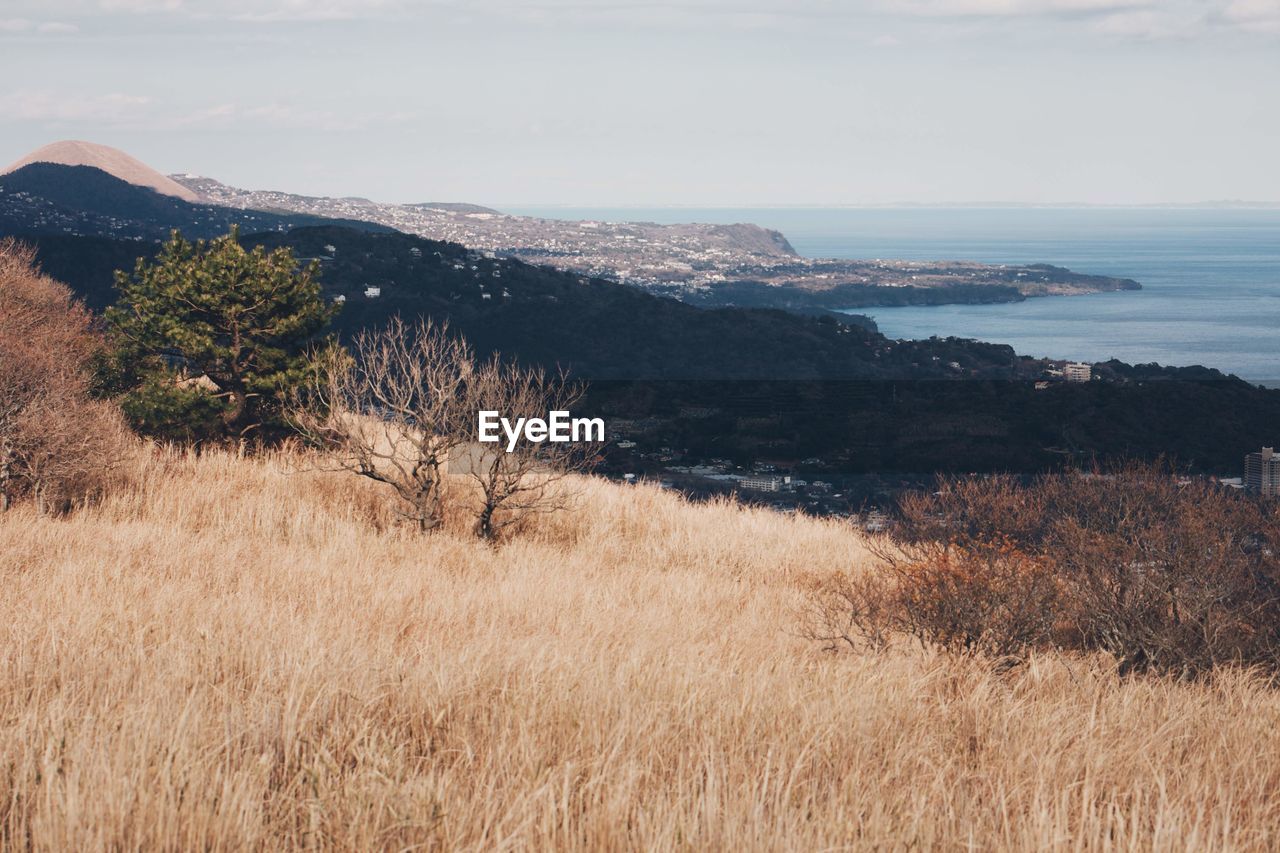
(701, 102)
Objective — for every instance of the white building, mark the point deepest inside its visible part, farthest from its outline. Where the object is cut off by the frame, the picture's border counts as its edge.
(1078, 372)
(761, 483)
(875, 521)
(1262, 473)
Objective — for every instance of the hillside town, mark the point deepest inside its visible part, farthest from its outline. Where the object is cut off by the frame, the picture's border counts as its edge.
(692, 262)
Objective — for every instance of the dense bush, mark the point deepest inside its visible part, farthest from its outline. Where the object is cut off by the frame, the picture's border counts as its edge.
(1164, 574)
(57, 444)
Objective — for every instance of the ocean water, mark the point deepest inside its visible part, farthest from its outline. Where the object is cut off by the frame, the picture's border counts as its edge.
(1210, 277)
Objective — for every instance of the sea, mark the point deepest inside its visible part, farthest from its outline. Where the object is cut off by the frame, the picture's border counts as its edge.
(1210, 276)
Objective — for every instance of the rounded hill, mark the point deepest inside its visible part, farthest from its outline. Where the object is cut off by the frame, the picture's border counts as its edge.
(110, 160)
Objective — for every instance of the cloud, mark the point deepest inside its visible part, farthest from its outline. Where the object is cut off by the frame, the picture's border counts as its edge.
(285, 116)
(1125, 18)
(259, 10)
(47, 108)
(1261, 16)
(136, 6)
(10, 26)
(1150, 25)
(229, 10)
(139, 112)
(1010, 8)
(1133, 19)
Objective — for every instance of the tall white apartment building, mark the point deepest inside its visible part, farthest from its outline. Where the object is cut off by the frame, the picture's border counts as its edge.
(1262, 472)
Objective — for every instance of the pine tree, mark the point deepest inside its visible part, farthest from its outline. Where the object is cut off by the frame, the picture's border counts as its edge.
(210, 337)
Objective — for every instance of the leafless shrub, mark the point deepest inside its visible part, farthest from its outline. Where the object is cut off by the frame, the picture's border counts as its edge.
(70, 448)
(530, 477)
(1165, 574)
(401, 408)
(976, 512)
(57, 445)
(853, 610)
(976, 597)
(392, 410)
(988, 599)
(957, 573)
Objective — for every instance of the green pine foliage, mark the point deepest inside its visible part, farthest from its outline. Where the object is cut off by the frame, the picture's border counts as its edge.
(210, 337)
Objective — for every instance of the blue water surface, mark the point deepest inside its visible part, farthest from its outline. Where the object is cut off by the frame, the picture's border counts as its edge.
(1210, 277)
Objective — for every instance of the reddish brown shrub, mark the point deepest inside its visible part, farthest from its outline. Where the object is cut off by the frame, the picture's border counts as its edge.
(993, 599)
(1166, 574)
(57, 444)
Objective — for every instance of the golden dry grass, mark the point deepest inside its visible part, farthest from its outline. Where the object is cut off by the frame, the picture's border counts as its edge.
(234, 654)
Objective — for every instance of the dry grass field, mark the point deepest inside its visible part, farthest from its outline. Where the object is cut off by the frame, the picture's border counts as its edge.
(233, 653)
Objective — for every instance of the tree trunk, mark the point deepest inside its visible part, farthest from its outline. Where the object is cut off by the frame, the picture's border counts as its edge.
(235, 415)
(6, 475)
(484, 524)
(428, 503)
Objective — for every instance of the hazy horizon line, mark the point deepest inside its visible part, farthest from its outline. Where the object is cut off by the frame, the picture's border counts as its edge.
(1217, 204)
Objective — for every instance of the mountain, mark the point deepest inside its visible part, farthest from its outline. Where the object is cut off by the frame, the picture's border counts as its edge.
(114, 162)
(49, 198)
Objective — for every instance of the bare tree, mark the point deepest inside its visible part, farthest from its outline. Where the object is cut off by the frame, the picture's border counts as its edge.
(400, 407)
(529, 477)
(392, 409)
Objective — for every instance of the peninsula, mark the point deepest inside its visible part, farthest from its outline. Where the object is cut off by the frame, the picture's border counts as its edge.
(706, 265)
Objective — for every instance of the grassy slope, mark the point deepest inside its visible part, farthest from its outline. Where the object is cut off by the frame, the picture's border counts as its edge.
(233, 653)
